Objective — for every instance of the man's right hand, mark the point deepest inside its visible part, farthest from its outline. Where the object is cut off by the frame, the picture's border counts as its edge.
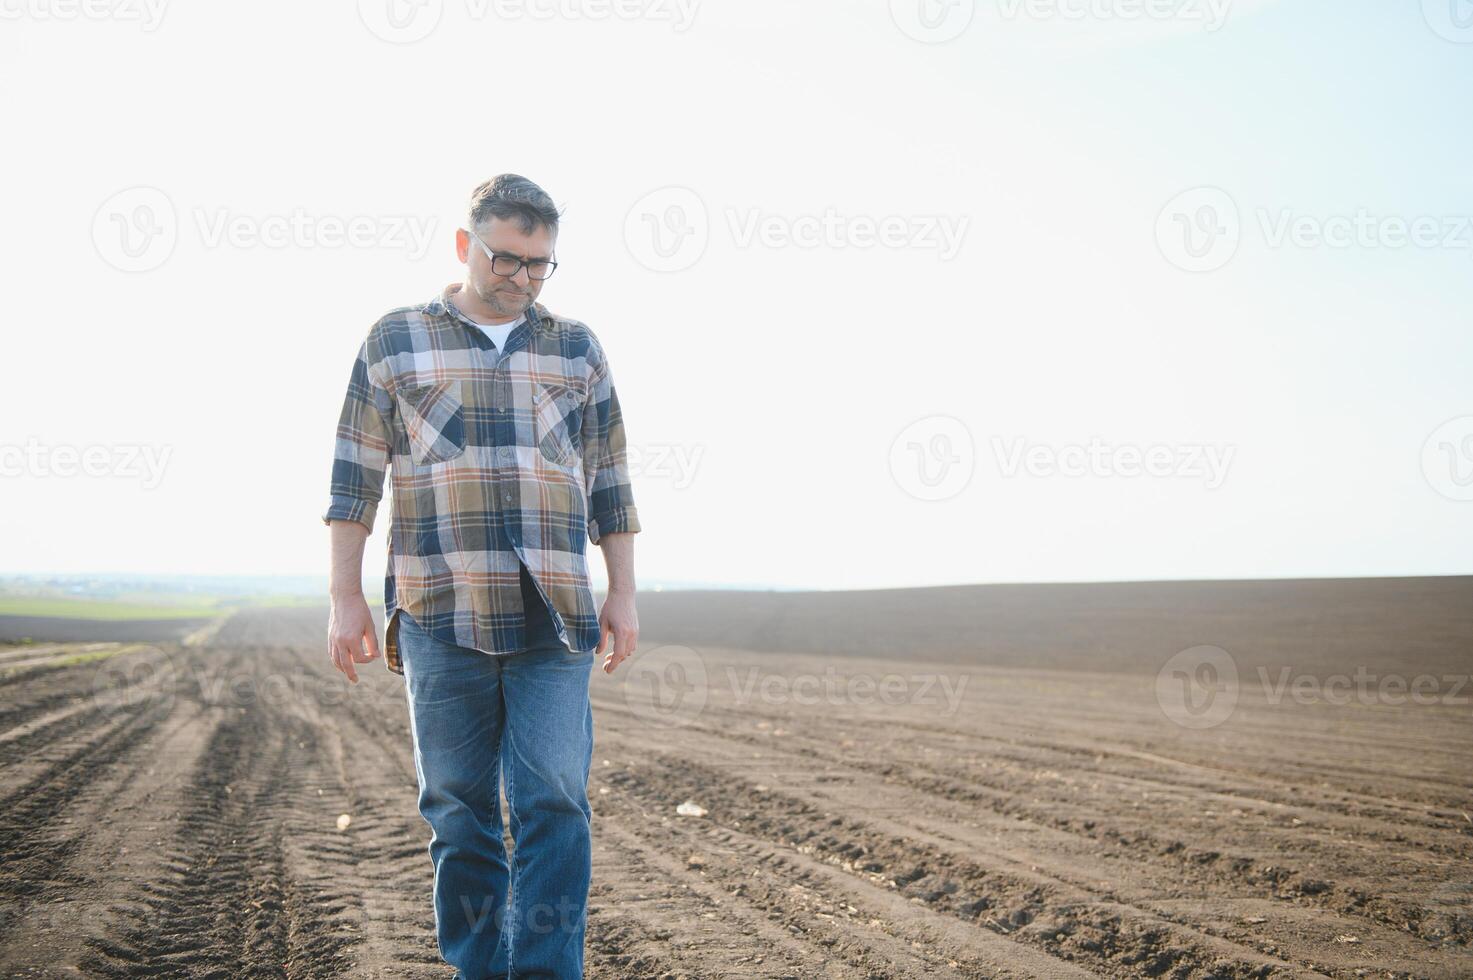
(352, 637)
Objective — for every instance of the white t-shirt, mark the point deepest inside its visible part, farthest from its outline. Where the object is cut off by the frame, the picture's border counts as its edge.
(498, 332)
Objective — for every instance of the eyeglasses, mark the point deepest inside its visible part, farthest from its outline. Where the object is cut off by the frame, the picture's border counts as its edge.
(506, 265)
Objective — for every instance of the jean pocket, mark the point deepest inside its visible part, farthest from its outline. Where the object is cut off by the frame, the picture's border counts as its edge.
(556, 418)
(434, 421)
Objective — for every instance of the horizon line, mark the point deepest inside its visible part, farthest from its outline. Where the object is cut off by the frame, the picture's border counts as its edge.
(257, 580)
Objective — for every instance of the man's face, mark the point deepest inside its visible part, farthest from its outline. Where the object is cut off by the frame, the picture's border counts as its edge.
(507, 295)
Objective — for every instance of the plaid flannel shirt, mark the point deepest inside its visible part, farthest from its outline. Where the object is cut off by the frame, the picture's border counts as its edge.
(498, 457)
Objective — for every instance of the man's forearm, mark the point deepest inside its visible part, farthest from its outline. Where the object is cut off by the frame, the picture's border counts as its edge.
(618, 552)
(348, 540)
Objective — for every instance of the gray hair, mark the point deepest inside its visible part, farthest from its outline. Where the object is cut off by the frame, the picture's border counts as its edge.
(513, 196)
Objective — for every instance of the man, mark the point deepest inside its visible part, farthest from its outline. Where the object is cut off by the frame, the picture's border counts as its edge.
(502, 429)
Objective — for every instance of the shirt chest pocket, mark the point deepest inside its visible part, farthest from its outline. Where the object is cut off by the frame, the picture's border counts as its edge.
(434, 421)
(557, 416)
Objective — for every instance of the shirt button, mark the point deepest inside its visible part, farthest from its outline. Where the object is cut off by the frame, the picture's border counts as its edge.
(506, 497)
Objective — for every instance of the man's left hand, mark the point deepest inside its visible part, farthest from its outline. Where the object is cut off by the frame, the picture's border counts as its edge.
(617, 619)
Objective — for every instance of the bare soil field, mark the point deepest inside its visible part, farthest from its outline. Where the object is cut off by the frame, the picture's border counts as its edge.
(174, 808)
(14, 629)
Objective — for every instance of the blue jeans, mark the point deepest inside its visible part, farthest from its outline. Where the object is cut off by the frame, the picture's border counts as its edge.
(524, 718)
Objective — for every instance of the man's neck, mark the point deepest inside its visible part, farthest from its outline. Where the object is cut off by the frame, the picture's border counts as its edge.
(467, 302)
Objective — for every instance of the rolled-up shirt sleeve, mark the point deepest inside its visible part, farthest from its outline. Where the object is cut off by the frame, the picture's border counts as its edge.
(605, 463)
(361, 448)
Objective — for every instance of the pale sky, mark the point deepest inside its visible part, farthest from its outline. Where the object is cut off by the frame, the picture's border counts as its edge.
(893, 294)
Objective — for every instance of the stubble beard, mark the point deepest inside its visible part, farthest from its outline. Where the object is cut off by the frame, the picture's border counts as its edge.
(503, 300)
